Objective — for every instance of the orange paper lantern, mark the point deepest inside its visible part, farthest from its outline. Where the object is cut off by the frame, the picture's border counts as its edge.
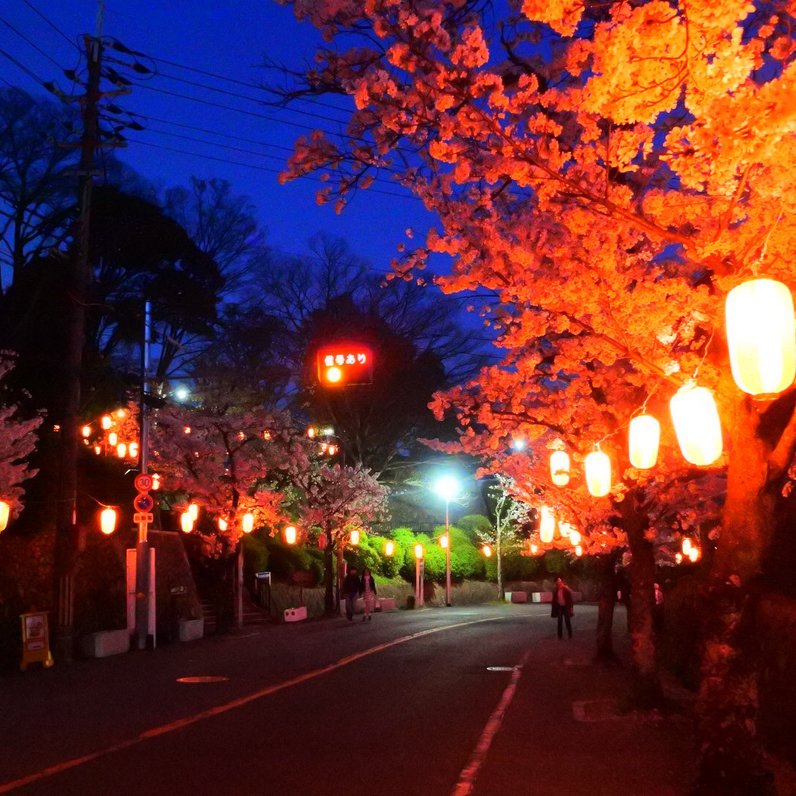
(643, 440)
(559, 468)
(696, 424)
(761, 336)
(598, 473)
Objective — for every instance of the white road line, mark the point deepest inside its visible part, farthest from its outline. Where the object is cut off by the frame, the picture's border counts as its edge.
(469, 773)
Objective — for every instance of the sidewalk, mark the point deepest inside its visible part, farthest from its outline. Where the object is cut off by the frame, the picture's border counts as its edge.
(577, 740)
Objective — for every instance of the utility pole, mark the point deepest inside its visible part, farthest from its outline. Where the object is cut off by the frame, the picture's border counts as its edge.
(66, 508)
(142, 572)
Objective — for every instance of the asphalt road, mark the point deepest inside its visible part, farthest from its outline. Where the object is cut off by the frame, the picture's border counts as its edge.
(405, 704)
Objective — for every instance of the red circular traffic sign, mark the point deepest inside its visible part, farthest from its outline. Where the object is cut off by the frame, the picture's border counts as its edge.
(143, 483)
(143, 502)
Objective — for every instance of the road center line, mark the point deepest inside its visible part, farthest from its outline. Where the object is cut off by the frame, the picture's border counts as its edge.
(468, 776)
(179, 724)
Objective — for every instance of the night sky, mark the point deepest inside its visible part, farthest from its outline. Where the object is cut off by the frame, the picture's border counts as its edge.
(230, 39)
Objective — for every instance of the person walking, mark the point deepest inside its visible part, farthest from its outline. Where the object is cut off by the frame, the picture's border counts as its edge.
(562, 607)
(350, 592)
(367, 588)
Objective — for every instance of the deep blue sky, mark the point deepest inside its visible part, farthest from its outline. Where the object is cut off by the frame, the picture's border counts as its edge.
(229, 38)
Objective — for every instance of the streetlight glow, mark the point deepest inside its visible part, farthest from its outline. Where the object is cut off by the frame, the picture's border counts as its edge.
(447, 487)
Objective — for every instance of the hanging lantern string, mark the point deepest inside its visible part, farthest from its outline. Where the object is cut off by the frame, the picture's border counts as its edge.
(638, 410)
(99, 502)
(764, 250)
(704, 354)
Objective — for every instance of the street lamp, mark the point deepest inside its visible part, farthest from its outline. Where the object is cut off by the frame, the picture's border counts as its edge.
(447, 488)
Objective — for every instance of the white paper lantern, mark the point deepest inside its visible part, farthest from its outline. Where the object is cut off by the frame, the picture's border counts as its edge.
(643, 440)
(761, 336)
(598, 473)
(5, 513)
(247, 522)
(559, 468)
(108, 520)
(696, 424)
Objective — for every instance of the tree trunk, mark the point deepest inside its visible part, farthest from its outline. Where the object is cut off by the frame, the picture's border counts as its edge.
(647, 688)
(730, 760)
(328, 575)
(605, 608)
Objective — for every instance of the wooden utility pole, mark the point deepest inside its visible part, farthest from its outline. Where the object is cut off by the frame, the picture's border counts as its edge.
(79, 277)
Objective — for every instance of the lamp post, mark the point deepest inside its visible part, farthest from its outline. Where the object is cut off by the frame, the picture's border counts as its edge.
(419, 575)
(447, 487)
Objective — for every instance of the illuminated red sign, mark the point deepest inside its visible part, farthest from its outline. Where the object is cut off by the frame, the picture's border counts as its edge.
(341, 364)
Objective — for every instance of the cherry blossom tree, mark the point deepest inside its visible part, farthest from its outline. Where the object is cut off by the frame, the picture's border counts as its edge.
(610, 171)
(17, 443)
(231, 464)
(337, 500)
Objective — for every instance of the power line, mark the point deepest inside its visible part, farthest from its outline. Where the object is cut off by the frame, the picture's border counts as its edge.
(31, 43)
(50, 23)
(235, 81)
(247, 97)
(253, 166)
(227, 136)
(24, 68)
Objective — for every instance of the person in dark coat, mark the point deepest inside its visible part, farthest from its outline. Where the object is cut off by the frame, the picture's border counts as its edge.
(562, 606)
(351, 592)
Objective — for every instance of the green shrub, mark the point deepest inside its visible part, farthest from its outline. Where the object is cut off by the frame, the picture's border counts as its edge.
(473, 524)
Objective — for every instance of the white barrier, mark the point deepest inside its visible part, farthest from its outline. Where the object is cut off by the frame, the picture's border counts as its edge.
(295, 614)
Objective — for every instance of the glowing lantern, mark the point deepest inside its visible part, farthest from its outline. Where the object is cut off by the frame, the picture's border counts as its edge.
(290, 534)
(108, 520)
(247, 522)
(534, 549)
(5, 513)
(678, 557)
(86, 431)
(761, 336)
(487, 551)
(354, 538)
(389, 548)
(311, 432)
(97, 450)
(418, 551)
(559, 468)
(121, 450)
(222, 524)
(186, 521)
(694, 554)
(113, 438)
(575, 537)
(547, 525)
(121, 413)
(132, 449)
(643, 442)
(443, 541)
(565, 529)
(578, 551)
(686, 546)
(193, 510)
(598, 473)
(267, 435)
(331, 450)
(186, 429)
(696, 424)
(155, 481)
(106, 422)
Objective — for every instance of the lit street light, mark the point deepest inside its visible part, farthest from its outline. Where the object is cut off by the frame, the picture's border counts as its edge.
(447, 488)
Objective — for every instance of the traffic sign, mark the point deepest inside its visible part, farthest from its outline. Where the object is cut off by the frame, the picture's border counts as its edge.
(144, 517)
(143, 482)
(143, 502)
